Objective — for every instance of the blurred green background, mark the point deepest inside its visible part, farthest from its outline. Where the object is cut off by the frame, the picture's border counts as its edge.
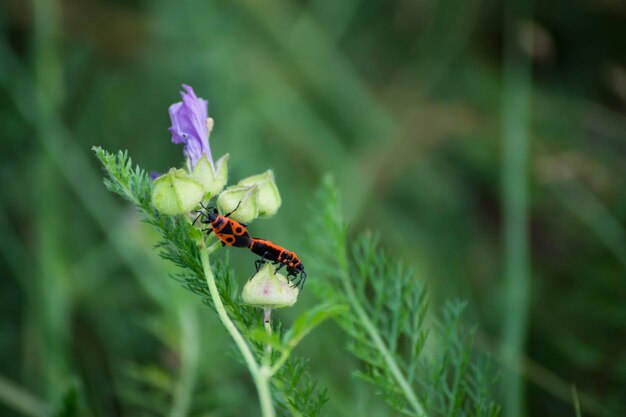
(485, 140)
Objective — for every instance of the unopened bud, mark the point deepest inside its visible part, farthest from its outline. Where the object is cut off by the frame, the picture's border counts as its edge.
(213, 182)
(241, 199)
(268, 198)
(268, 289)
(175, 193)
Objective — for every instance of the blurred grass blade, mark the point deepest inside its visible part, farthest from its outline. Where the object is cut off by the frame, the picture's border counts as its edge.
(578, 199)
(515, 131)
(576, 401)
(190, 357)
(20, 400)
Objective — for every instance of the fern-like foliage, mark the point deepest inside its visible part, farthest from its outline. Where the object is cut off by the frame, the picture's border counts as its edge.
(177, 244)
(416, 373)
(294, 392)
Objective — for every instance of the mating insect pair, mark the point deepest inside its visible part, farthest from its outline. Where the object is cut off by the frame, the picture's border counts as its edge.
(233, 233)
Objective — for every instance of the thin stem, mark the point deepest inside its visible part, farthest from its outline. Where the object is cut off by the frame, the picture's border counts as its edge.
(215, 246)
(376, 337)
(259, 375)
(267, 322)
(221, 312)
(280, 362)
(265, 396)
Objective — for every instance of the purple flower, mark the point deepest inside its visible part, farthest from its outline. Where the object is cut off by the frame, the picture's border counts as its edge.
(189, 118)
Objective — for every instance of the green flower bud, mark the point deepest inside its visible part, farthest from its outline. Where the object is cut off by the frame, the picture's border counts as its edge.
(175, 193)
(241, 198)
(213, 182)
(268, 198)
(268, 289)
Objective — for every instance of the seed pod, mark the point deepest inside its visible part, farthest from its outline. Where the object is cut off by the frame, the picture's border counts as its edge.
(268, 198)
(213, 182)
(175, 193)
(241, 198)
(268, 289)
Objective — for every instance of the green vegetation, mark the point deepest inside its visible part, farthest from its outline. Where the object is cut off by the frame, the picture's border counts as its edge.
(481, 149)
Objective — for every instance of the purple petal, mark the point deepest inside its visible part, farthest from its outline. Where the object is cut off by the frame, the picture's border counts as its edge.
(189, 125)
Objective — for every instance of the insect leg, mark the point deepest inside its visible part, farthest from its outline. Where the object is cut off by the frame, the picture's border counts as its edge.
(258, 264)
(303, 279)
(300, 281)
(196, 219)
(294, 280)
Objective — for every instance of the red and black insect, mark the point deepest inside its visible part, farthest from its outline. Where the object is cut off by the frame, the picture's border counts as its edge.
(233, 233)
(229, 231)
(271, 252)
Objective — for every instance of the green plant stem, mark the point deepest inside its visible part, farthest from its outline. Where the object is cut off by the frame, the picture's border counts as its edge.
(215, 246)
(375, 335)
(265, 396)
(280, 362)
(260, 375)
